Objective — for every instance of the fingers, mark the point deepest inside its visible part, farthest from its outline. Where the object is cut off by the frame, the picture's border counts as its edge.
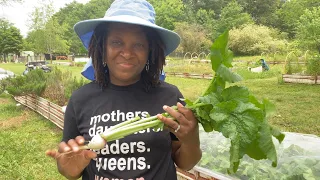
(175, 114)
(80, 140)
(172, 124)
(52, 153)
(73, 144)
(90, 154)
(183, 110)
(181, 115)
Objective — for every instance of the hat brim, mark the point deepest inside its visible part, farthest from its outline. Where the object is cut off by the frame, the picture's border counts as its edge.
(84, 30)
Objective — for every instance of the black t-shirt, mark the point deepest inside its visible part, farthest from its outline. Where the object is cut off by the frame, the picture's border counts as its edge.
(142, 156)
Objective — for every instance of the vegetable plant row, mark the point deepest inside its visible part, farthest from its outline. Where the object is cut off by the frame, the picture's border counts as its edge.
(231, 110)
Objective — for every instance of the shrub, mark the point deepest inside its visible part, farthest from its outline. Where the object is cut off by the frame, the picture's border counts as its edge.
(313, 66)
(253, 39)
(57, 86)
(193, 38)
(60, 85)
(292, 65)
(32, 83)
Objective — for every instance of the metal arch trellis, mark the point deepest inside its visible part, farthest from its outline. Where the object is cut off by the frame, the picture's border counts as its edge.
(204, 55)
(184, 57)
(305, 57)
(196, 55)
(287, 62)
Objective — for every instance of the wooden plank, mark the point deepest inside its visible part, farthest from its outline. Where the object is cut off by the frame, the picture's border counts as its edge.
(301, 79)
(188, 75)
(294, 76)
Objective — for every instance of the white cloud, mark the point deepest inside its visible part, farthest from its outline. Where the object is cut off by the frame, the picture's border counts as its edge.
(18, 14)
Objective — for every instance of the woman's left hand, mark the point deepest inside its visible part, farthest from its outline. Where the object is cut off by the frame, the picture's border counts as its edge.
(183, 125)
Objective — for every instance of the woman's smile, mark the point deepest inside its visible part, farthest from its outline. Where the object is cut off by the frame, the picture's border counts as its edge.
(126, 65)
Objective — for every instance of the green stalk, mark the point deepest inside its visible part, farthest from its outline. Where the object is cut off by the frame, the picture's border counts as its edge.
(131, 126)
(124, 123)
(140, 121)
(122, 132)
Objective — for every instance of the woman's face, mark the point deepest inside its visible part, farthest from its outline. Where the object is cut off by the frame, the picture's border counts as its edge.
(127, 53)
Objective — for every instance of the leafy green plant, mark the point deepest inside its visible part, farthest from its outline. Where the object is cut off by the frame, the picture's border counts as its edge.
(57, 86)
(32, 83)
(313, 66)
(235, 112)
(292, 65)
(253, 39)
(60, 85)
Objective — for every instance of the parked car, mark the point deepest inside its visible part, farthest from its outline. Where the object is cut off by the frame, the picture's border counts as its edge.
(4, 74)
(36, 65)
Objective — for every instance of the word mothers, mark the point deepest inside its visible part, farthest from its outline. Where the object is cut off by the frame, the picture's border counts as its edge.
(117, 116)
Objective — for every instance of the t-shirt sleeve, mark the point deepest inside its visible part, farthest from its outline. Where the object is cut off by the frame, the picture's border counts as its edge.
(70, 128)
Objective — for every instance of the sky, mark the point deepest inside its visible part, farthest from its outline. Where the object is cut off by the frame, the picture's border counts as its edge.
(18, 14)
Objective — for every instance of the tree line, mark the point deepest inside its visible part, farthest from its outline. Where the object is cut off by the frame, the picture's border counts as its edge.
(256, 26)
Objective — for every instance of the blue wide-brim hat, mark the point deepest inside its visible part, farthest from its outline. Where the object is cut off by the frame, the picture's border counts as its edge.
(138, 12)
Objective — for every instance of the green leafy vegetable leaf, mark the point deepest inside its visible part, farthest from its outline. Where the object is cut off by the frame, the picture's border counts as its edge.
(234, 112)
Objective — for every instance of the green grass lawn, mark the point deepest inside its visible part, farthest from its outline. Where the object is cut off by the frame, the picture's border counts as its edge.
(15, 68)
(24, 138)
(19, 68)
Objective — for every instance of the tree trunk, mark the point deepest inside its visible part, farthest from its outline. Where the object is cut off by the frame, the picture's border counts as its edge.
(5, 58)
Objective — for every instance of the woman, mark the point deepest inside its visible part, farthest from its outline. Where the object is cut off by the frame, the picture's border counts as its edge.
(127, 52)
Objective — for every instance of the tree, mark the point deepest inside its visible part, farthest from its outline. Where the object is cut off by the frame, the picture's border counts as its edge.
(254, 39)
(10, 39)
(46, 35)
(168, 12)
(261, 10)
(232, 16)
(54, 43)
(193, 38)
(308, 30)
(75, 12)
(96, 8)
(208, 5)
(288, 15)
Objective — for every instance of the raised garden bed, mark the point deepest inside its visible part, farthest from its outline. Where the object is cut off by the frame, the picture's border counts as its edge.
(301, 79)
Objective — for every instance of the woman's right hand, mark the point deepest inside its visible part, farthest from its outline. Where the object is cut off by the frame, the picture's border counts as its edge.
(70, 159)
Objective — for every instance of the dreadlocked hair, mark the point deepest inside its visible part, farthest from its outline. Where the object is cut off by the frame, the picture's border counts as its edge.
(156, 57)
(97, 52)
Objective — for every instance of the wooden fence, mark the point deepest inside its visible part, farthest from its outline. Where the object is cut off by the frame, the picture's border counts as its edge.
(189, 75)
(195, 61)
(301, 79)
(55, 114)
(47, 109)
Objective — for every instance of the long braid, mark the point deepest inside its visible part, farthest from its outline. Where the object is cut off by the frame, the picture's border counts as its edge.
(98, 54)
